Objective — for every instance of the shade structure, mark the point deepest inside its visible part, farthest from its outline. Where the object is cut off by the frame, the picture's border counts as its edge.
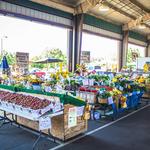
(49, 60)
(4, 66)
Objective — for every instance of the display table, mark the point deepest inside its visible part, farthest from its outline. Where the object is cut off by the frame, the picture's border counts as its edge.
(59, 124)
(65, 114)
(16, 116)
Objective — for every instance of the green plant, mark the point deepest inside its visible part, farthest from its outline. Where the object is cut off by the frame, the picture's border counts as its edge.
(105, 94)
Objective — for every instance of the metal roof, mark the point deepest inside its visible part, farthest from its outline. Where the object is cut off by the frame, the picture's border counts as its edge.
(121, 12)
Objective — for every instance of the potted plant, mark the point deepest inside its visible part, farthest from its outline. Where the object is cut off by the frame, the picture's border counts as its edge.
(103, 97)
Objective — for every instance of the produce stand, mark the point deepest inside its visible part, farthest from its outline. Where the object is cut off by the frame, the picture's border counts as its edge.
(59, 127)
(16, 116)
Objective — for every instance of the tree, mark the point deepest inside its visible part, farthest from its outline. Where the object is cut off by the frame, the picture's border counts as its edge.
(52, 53)
(129, 54)
(55, 53)
(11, 57)
(37, 65)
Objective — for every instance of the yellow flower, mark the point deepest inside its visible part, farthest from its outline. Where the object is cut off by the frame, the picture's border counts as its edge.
(129, 87)
(4, 76)
(114, 80)
(145, 68)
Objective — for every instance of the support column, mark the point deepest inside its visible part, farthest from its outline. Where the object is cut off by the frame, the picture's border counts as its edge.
(77, 39)
(119, 58)
(148, 47)
(70, 49)
(124, 49)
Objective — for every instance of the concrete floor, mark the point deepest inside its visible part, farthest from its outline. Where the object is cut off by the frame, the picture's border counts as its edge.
(120, 135)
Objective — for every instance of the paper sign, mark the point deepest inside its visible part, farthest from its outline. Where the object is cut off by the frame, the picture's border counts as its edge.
(72, 117)
(121, 88)
(44, 123)
(57, 107)
(80, 111)
(48, 89)
(91, 82)
(85, 82)
(110, 100)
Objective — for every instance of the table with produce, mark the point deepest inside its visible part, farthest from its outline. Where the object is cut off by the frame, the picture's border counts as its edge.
(67, 98)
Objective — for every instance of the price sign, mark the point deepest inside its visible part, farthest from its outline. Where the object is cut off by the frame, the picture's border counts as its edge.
(85, 82)
(91, 82)
(72, 117)
(57, 107)
(110, 100)
(121, 88)
(80, 111)
(44, 123)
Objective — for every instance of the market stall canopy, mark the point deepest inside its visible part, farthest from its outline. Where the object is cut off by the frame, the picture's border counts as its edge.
(49, 60)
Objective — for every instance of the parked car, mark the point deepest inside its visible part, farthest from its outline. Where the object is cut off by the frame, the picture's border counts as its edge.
(37, 72)
(94, 68)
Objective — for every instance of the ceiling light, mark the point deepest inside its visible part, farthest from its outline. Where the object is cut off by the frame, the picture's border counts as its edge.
(103, 8)
(141, 26)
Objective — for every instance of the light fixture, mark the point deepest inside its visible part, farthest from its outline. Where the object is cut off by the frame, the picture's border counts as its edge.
(103, 8)
(141, 26)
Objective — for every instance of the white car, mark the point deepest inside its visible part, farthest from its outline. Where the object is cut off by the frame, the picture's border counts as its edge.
(94, 68)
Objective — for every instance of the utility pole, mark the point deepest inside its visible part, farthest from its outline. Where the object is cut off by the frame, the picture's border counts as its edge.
(2, 38)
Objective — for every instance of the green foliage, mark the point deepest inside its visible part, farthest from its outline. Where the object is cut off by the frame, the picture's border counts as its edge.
(129, 55)
(37, 65)
(53, 53)
(11, 57)
(105, 95)
(99, 77)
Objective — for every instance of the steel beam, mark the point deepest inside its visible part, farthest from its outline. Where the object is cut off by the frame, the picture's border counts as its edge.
(124, 48)
(77, 39)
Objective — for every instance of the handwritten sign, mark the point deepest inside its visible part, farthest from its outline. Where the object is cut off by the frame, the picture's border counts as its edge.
(110, 100)
(72, 117)
(85, 56)
(57, 107)
(22, 61)
(80, 111)
(44, 123)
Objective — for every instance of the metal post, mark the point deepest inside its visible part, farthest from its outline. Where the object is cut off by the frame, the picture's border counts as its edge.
(148, 48)
(124, 49)
(1, 46)
(70, 49)
(2, 38)
(77, 39)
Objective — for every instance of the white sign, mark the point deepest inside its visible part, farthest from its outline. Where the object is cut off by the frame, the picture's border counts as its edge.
(57, 107)
(72, 117)
(121, 88)
(80, 111)
(91, 82)
(110, 100)
(85, 82)
(85, 56)
(22, 61)
(44, 123)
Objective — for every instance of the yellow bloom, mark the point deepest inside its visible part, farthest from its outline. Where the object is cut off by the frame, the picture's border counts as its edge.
(129, 87)
(145, 68)
(114, 80)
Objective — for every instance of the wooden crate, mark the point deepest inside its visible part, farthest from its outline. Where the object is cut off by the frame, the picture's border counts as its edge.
(59, 127)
